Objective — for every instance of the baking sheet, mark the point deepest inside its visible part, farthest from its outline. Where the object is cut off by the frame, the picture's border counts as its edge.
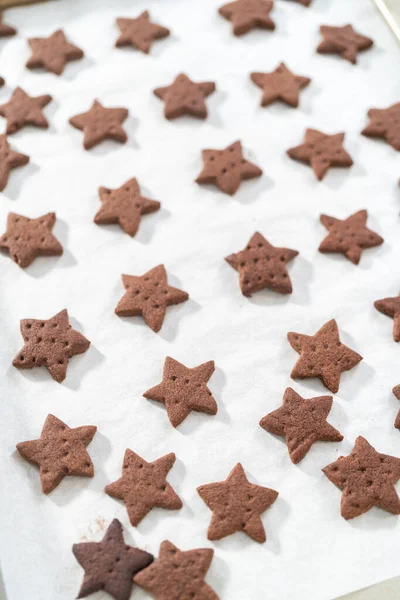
(311, 552)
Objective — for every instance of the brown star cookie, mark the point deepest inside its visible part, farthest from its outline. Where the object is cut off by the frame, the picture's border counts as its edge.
(385, 123)
(185, 97)
(322, 355)
(227, 168)
(100, 123)
(321, 151)
(281, 84)
(6, 30)
(302, 422)
(124, 206)
(367, 479)
(52, 53)
(149, 295)
(176, 574)
(140, 32)
(110, 564)
(344, 41)
(237, 505)
(396, 392)
(23, 110)
(248, 14)
(60, 451)
(9, 160)
(50, 344)
(144, 486)
(261, 265)
(25, 238)
(350, 236)
(183, 390)
(391, 308)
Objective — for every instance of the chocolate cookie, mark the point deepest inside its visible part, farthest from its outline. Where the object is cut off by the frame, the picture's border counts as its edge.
(391, 308)
(385, 123)
(9, 160)
(280, 84)
(23, 110)
(6, 30)
(185, 97)
(248, 14)
(396, 392)
(140, 32)
(52, 53)
(100, 123)
(344, 41)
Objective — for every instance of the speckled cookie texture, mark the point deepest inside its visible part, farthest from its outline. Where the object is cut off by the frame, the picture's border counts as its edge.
(140, 33)
(280, 84)
(50, 344)
(396, 392)
(183, 390)
(60, 451)
(344, 41)
(6, 30)
(237, 505)
(391, 308)
(52, 53)
(144, 486)
(366, 478)
(385, 123)
(248, 14)
(185, 97)
(322, 152)
(25, 238)
(227, 168)
(322, 355)
(23, 109)
(110, 565)
(100, 123)
(261, 265)
(349, 236)
(301, 422)
(178, 574)
(9, 160)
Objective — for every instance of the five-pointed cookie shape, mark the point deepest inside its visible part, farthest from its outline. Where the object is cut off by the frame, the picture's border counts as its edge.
(50, 344)
(227, 168)
(344, 41)
(144, 486)
(350, 236)
(237, 505)
(367, 478)
(125, 206)
(385, 123)
(149, 295)
(185, 97)
(52, 53)
(396, 392)
(322, 355)
(177, 574)
(248, 14)
(6, 30)
(23, 110)
(280, 84)
(100, 123)
(183, 390)
(261, 265)
(391, 308)
(60, 451)
(25, 238)
(140, 32)
(9, 160)
(321, 151)
(110, 565)
(301, 422)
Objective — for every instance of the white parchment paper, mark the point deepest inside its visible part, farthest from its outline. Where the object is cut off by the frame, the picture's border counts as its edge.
(311, 552)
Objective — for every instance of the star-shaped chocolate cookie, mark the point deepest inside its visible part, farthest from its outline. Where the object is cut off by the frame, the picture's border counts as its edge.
(140, 32)
(23, 110)
(391, 308)
(396, 392)
(301, 422)
(25, 238)
(110, 565)
(237, 505)
(177, 574)
(60, 451)
(6, 30)
(9, 160)
(124, 206)
(248, 14)
(149, 295)
(322, 355)
(350, 236)
(367, 478)
(183, 390)
(280, 84)
(261, 265)
(49, 344)
(385, 123)
(185, 97)
(344, 41)
(144, 486)
(52, 53)
(227, 168)
(100, 123)
(321, 151)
